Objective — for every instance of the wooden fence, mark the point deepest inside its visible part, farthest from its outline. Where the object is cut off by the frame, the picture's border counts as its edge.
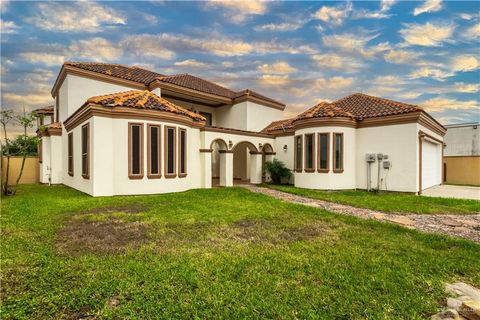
(31, 170)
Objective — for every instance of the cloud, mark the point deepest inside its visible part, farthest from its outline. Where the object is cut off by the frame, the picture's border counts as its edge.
(280, 67)
(350, 42)
(11, 99)
(465, 63)
(334, 83)
(443, 103)
(333, 15)
(385, 6)
(428, 72)
(280, 27)
(81, 16)
(238, 11)
(8, 27)
(337, 62)
(387, 80)
(147, 45)
(400, 56)
(466, 87)
(191, 63)
(95, 49)
(274, 80)
(428, 34)
(428, 6)
(49, 59)
(472, 32)
(4, 4)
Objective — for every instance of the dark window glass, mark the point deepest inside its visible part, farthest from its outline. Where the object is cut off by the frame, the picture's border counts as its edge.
(323, 147)
(298, 152)
(70, 154)
(309, 151)
(135, 150)
(85, 147)
(154, 168)
(338, 151)
(183, 151)
(207, 116)
(171, 150)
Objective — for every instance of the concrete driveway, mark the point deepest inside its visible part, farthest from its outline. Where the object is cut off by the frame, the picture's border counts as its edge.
(449, 191)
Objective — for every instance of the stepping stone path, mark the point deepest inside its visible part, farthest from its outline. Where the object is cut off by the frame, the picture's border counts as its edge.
(462, 226)
(464, 303)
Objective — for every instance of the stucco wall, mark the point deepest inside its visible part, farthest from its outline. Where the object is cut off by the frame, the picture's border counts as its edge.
(232, 116)
(463, 141)
(196, 107)
(285, 155)
(330, 180)
(260, 116)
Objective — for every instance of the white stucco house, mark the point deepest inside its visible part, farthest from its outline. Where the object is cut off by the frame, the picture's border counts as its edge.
(120, 130)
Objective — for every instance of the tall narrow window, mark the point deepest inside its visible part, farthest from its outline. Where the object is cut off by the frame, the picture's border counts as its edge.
(70, 154)
(86, 151)
(338, 152)
(323, 142)
(298, 153)
(170, 152)
(40, 151)
(309, 152)
(57, 108)
(135, 152)
(182, 146)
(153, 142)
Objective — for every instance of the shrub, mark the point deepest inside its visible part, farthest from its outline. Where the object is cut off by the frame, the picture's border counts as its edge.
(277, 171)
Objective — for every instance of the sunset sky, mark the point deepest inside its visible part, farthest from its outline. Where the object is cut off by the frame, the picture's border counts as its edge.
(300, 53)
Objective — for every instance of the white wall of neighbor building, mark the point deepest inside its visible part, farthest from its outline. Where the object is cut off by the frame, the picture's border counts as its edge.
(462, 140)
(330, 180)
(400, 143)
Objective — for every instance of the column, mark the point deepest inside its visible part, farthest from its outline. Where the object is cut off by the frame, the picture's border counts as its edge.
(226, 168)
(255, 167)
(206, 163)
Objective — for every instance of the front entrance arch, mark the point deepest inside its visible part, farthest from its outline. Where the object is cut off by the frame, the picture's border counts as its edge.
(221, 171)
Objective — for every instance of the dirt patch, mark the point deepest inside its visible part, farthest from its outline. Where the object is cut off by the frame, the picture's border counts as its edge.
(254, 230)
(111, 236)
(305, 232)
(129, 208)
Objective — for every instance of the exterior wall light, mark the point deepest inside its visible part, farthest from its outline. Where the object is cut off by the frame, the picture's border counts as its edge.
(230, 144)
(260, 146)
(285, 147)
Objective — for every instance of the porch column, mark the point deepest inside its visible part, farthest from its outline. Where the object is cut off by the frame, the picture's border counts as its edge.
(255, 167)
(206, 167)
(226, 168)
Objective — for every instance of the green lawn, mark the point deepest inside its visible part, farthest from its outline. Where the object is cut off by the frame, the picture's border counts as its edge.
(388, 201)
(217, 253)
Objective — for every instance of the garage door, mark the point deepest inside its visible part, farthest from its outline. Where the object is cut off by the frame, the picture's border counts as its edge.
(431, 164)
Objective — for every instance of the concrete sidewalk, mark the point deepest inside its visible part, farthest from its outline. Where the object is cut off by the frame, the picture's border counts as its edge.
(450, 191)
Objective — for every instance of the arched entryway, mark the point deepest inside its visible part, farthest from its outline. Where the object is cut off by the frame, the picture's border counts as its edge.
(242, 161)
(267, 155)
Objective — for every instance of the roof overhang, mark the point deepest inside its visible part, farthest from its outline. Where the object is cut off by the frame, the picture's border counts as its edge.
(90, 109)
(68, 69)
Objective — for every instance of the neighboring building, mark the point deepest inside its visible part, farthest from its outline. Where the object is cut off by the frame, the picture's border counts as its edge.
(122, 130)
(461, 162)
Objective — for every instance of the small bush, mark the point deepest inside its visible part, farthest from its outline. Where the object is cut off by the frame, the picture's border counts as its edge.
(277, 171)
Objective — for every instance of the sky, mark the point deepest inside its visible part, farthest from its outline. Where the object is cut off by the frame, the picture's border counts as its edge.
(300, 53)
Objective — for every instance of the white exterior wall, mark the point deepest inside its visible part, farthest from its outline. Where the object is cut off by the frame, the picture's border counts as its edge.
(400, 143)
(286, 156)
(260, 116)
(76, 90)
(77, 181)
(232, 116)
(45, 164)
(432, 166)
(463, 140)
(330, 180)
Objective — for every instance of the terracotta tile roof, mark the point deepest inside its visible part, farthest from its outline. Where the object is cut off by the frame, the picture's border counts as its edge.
(135, 74)
(191, 82)
(323, 110)
(248, 92)
(54, 125)
(280, 125)
(142, 100)
(44, 110)
(363, 106)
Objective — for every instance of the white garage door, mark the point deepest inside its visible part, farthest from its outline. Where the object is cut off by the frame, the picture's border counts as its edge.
(431, 164)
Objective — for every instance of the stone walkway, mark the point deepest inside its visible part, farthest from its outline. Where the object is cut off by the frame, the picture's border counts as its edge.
(463, 226)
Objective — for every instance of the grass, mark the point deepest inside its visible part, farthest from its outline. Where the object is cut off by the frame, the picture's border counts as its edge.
(217, 253)
(396, 202)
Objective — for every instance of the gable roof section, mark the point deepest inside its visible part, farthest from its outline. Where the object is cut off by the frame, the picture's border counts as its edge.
(280, 126)
(323, 110)
(141, 100)
(139, 78)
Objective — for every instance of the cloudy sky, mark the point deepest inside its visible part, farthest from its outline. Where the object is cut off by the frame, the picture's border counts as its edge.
(424, 52)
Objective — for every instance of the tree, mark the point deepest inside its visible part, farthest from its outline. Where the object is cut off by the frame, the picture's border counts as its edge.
(22, 145)
(277, 170)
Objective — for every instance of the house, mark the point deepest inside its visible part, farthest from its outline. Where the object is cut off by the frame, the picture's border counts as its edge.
(461, 162)
(122, 130)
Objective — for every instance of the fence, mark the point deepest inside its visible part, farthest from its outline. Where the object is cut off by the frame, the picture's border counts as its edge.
(31, 170)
